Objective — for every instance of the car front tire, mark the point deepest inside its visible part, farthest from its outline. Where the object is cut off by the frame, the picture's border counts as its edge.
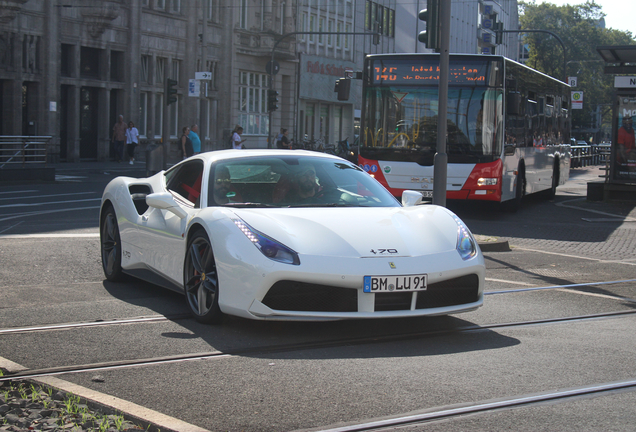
(111, 246)
(201, 280)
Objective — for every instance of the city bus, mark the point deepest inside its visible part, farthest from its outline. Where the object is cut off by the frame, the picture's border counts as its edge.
(508, 126)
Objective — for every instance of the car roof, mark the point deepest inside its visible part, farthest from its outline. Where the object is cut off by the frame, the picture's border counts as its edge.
(216, 155)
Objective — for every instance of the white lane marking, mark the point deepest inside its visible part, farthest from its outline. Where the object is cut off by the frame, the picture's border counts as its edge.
(46, 203)
(46, 196)
(575, 256)
(152, 416)
(20, 191)
(65, 235)
(510, 282)
(21, 215)
(565, 204)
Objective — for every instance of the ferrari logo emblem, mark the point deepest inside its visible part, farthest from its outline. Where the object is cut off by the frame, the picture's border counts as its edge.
(392, 265)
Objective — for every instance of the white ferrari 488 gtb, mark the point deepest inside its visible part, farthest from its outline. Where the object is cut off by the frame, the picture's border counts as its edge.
(288, 235)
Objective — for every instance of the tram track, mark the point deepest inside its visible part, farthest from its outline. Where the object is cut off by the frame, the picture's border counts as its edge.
(160, 318)
(501, 404)
(281, 348)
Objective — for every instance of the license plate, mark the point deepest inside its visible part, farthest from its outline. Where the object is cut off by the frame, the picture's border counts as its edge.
(427, 194)
(378, 284)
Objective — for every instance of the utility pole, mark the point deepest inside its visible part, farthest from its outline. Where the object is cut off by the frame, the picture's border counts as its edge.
(440, 172)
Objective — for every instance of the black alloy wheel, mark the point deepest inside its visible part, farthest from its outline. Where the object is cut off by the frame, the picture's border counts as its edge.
(111, 246)
(201, 281)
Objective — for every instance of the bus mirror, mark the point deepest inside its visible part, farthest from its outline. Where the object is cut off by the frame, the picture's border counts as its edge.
(343, 87)
(513, 103)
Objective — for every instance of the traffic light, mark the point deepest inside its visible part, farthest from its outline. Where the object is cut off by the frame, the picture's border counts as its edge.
(343, 88)
(498, 33)
(430, 16)
(171, 91)
(272, 100)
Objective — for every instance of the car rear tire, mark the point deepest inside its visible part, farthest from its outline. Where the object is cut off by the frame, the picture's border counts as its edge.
(201, 282)
(111, 246)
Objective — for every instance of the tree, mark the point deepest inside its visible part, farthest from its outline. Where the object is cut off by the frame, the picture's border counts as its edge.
(581, 29)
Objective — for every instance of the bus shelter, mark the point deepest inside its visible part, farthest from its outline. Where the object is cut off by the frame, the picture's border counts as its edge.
(621, 62)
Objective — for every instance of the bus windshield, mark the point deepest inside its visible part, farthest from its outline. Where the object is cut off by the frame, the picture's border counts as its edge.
(400, 124)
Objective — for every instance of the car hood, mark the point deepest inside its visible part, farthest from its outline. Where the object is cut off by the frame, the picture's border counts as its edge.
(358, 232)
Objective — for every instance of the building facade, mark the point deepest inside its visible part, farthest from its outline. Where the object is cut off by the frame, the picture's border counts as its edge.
(69, 69)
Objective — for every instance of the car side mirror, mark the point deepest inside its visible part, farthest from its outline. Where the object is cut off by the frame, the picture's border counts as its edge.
(411, 198)
(165, 201)
(509, 149)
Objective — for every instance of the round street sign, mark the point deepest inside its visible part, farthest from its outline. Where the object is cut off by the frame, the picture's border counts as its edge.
(269, 70)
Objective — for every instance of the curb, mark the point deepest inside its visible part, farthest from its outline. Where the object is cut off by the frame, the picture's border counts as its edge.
(492, 244)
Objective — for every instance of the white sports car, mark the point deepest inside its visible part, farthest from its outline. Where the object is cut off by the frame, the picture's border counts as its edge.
(288, 235)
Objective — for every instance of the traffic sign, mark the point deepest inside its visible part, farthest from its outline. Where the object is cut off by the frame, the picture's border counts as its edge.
(577, 96)
(572, 81)
(268, 67)
(194, 88)
(203, 75)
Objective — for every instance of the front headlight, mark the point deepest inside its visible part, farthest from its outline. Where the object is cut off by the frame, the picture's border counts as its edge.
(269, 247)
(466, 245)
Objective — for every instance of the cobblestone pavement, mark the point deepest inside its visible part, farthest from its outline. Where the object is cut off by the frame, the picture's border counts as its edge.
(569, 224)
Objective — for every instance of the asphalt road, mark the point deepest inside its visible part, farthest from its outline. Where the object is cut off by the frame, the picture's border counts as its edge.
(573, 335)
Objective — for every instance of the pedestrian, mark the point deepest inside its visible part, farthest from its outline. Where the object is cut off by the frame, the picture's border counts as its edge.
(237, 142)
(279, 137)
(132, 140)
(284, 141)
(119, 138)
(194, 137)
(186, 144)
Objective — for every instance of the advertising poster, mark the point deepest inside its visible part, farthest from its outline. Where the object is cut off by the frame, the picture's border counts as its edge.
(624, 150)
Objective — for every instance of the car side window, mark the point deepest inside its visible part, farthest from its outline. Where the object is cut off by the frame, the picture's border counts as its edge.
(185, 181)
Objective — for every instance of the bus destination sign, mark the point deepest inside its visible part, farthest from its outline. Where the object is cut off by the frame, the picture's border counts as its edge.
(405, 72)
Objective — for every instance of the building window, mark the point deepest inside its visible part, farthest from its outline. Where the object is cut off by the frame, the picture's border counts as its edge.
(117, 66)
(158, 114)
(159, 70)
(176, 68)
(174, 117)
(391, 26)
(367, 15)
(338, 36)
(321, 28)
(282, 17)
(312, 27)
(145, 63)
(175, 6)
(212, 10)
(347, 37)
(210, 66)
(143, 114)
(330, 37)
(67, 63)
(253, 115)
(243, 14)
(161, 4)
(303, 27)
(89, 62)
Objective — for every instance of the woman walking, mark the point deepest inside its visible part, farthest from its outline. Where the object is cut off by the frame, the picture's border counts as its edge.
(132, 140)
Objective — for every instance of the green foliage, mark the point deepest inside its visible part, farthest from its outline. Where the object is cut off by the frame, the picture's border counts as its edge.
(579, 28)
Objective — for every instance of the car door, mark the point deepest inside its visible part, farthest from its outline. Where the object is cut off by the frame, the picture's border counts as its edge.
(161, 232)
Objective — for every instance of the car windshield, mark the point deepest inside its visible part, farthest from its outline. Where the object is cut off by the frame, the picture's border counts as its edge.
(290, 181)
